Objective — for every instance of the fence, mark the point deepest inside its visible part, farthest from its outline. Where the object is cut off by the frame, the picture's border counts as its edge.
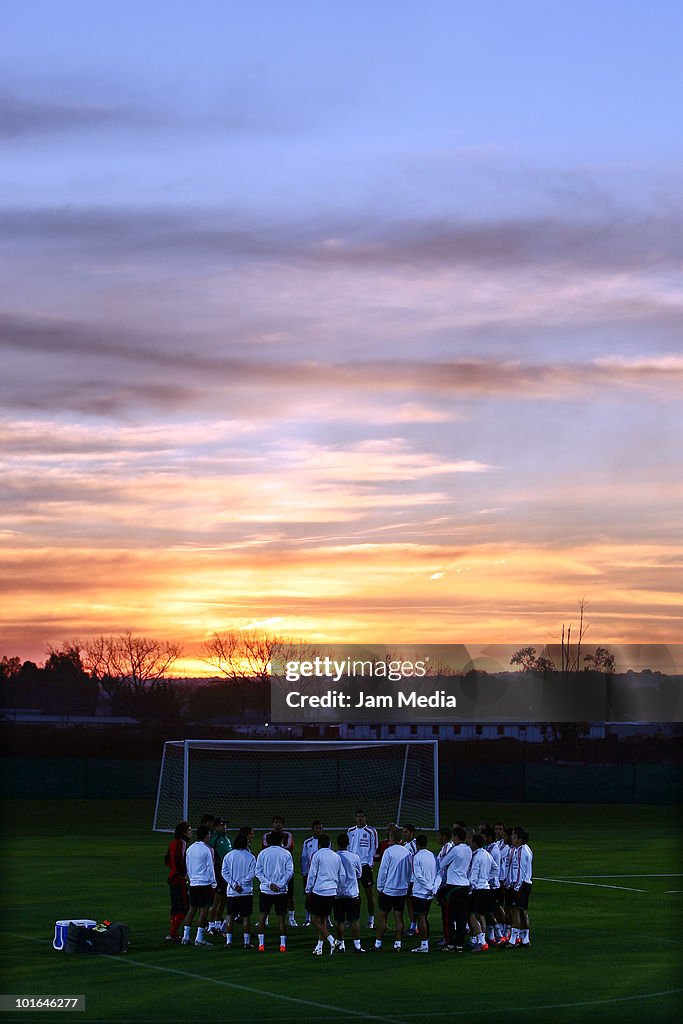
(84, 778)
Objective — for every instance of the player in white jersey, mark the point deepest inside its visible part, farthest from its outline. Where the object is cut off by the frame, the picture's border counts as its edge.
(278, 823)
(424, 881)
(202, 878)
(505, 893)
(410, 845)
(238, 870)
(445, 845)
(519, 884)
(456, 864)
(274, 870)
(393, 879)
(322, 885)
(495, 918)
(364, 841)
(347, 903)
(308, 848)
(479, 873)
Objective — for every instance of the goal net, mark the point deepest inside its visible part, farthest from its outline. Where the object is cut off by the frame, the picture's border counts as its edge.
(248, 782)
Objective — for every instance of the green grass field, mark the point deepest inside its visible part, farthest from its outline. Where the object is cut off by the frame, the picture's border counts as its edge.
(607, 949)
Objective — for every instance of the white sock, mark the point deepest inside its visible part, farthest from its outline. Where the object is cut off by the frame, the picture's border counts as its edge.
(371, 921)
(342, 944)
(330, 939)
(261, 940)
(480, 939)
(497, 931)
(200, 935)
(228, 939)
(514, 934)
(291, 916)
(247, 938)
(378, 943)
(489, 934)
(283, 940)
(525, 934)
(319, 945)
(397, 944)
(307, 917)
(424, 944)
(187, 932)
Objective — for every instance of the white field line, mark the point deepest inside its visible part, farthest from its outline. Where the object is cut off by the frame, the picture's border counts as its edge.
(547, 1006)
(261, 992)
(391, 1020)
(337, 1010)
(593, 885)
(675, 875)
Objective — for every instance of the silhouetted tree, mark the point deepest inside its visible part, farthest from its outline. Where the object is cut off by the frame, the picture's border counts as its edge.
(601, 661)
(68, 687)
(529, 661)
(137, 663)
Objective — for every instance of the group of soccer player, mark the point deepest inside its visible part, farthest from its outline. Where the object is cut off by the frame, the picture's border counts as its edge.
(481, 879)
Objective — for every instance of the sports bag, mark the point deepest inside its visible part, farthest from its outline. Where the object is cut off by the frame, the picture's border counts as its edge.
(115, 939)
(78, 939)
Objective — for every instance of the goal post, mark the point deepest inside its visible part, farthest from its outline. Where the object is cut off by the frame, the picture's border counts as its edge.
(249, 781)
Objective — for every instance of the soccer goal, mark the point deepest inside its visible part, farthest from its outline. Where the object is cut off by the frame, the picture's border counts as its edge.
(248, 782)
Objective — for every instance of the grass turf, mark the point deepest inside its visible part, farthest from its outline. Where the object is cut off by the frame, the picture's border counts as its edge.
(608, 949)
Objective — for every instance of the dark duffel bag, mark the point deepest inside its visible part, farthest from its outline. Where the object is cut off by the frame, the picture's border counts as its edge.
(114, 940)
(79, 939)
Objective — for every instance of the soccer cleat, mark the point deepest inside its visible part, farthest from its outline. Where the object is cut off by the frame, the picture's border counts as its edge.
(317, 952)
(202, 942)
(333, 948)
(448, 948)
(228, 945)
(307, 924)
(293, 923)
(412, 930)
(262, 949)
(525, 945)
(174, 938)
(419, 949)
(184, 942)
(397, 947)
(485, 947)
(359, 949)
(283, 949)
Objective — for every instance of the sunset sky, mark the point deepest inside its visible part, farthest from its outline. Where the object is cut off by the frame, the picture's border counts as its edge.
(352, 321)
